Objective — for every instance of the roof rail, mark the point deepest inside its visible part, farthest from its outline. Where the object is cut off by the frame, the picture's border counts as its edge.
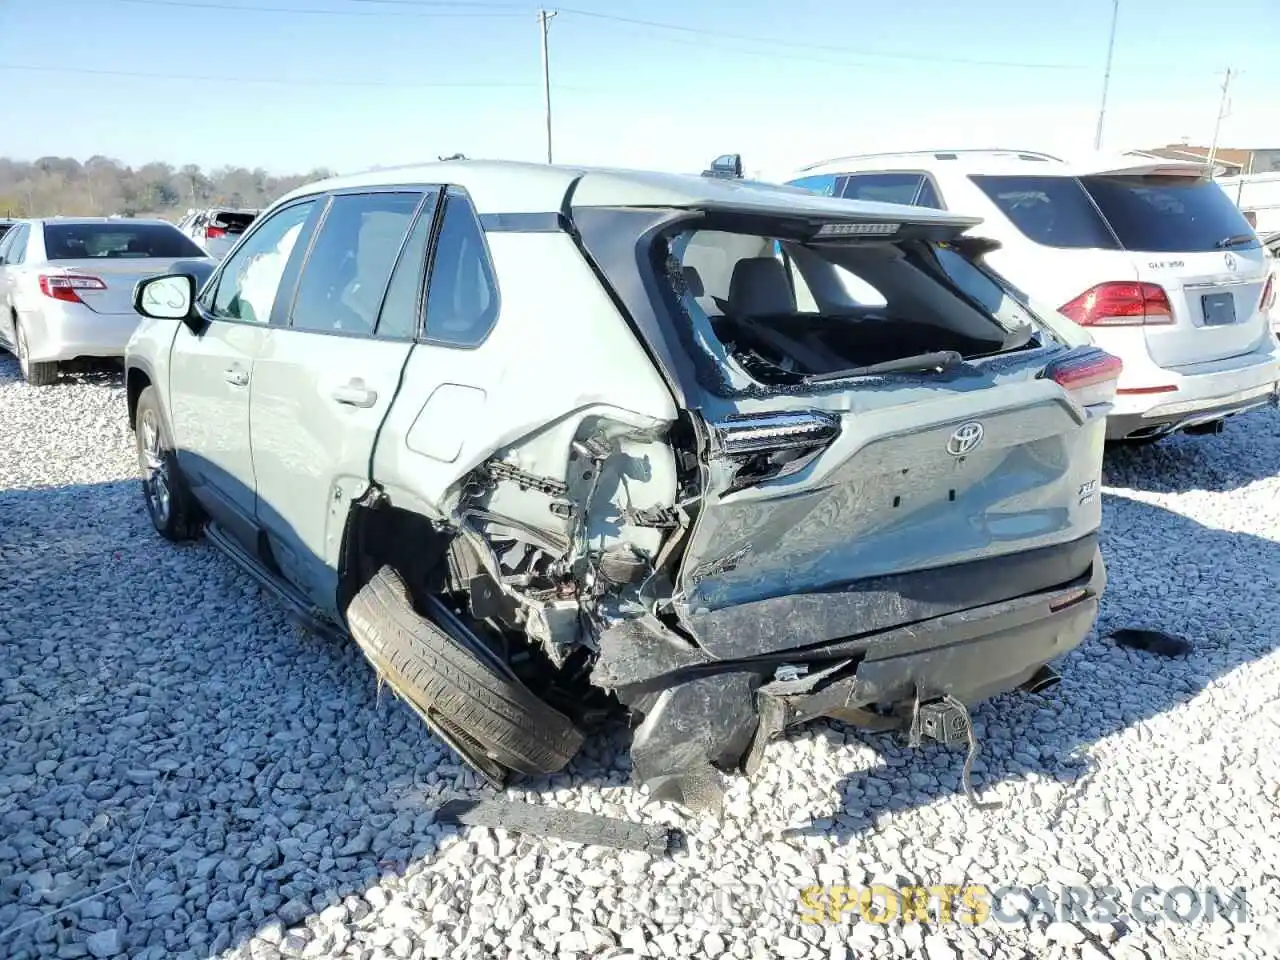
(1023, 154)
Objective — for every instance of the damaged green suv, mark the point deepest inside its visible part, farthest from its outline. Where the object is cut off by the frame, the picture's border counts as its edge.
(547, 440)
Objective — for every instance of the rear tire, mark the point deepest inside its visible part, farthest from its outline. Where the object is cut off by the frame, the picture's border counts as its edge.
(173, 510)
(494, 718)
(37, 374)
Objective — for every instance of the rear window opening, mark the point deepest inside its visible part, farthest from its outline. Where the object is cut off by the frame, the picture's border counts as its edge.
(232, 221)
(785, 313)
(116, 240)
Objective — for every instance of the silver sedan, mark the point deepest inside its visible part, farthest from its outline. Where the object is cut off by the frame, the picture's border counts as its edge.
(66, 285)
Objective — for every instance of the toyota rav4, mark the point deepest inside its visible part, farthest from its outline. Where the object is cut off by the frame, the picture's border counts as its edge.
(546, 440)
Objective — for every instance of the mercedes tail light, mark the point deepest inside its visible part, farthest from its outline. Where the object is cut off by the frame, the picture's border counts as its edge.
(66, 286)
(214, 233)
(770, 446)
(1088, 374)
(1268, 294)
(1120, 304)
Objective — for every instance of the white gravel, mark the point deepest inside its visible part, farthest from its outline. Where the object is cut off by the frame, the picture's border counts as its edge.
(185, 773)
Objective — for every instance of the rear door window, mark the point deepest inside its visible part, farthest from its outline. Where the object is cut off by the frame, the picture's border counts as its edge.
(355, 250)
(1053, 211)
(1162, 214)
(402, 305)
(462, 297)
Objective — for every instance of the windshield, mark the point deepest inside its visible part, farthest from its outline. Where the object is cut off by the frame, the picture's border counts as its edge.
(1162, 214)
(78, 241)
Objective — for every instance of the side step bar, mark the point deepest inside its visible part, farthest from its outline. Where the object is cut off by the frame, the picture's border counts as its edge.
(279, 589)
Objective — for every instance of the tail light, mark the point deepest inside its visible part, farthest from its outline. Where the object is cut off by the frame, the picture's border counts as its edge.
(1120, 304)
(770, 446)
(1268, 294)
(1089, 375)
(65, 286)
(214, 233)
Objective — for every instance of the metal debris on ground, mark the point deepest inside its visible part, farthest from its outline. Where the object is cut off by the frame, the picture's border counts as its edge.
(947, 721)
(570, 825)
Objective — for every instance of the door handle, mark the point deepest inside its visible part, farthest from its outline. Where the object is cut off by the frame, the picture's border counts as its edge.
(355, 394)
(235, 376)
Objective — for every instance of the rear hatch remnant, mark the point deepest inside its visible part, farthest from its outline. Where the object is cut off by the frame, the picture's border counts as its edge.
(888, 412)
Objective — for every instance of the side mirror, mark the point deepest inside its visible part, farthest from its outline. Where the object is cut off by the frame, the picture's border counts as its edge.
(169, 297)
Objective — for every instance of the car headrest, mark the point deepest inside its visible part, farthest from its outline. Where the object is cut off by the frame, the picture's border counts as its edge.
(760, 288)
(693, 280)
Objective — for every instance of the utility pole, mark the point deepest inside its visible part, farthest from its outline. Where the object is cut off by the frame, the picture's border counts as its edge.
(1217, 125)
(1106, 77)
(544, 24)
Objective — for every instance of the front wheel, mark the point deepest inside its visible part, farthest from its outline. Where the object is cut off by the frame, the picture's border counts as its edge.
(174, 512)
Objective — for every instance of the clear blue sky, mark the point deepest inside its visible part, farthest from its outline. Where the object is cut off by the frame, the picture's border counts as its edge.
(294, 84)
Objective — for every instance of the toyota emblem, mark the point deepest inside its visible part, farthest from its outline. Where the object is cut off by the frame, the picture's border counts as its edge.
(1232, 263)
(965, 439)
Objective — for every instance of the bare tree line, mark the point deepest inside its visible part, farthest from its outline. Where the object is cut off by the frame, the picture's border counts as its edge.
(101, 186)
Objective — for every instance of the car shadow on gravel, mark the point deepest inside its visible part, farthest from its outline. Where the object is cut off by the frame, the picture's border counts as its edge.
(104, 372)
(183, 765)
(1218, 463)
(1217, 588)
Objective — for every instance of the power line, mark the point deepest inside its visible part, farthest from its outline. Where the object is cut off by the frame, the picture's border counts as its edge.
(828, 48)
(445, 9)
(458, 8)
(522, 8)
(769, 54)
(269, 80)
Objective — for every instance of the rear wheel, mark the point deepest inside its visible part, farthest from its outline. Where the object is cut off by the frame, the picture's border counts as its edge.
(481, 710)
(173, 511)
(37, 374)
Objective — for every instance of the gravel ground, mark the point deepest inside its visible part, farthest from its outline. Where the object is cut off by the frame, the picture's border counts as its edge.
(186, 773)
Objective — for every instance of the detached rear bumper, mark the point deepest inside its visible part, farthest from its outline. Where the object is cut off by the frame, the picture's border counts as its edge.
(703, 716)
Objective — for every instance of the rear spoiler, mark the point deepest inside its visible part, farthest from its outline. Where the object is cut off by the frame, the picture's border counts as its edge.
(1145, 167)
